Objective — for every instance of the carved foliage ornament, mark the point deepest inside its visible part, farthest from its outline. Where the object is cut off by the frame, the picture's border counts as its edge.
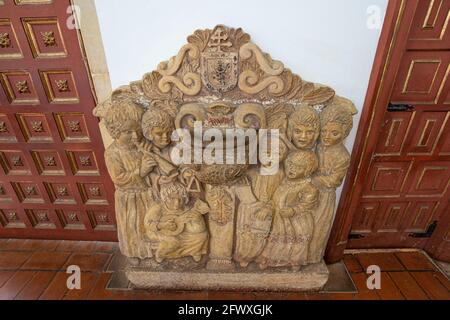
(48, 38)
(5, 40)
(3, 127)
(62, 85)
(22, 87)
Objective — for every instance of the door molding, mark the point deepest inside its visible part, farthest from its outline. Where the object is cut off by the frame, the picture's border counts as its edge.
(392, 45)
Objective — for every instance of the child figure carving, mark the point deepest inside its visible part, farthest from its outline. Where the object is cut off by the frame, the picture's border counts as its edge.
(128, 168)
(334, 161)
(176, 228)
(304, 128)
(294, 202)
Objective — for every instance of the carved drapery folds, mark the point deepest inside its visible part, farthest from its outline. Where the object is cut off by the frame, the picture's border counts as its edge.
(221, 216)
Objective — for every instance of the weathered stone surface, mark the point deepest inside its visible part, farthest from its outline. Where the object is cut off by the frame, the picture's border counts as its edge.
(210, 224)
(310, 278)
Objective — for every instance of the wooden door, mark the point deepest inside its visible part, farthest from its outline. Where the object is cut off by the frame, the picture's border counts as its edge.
(400, 196)
(53, 178)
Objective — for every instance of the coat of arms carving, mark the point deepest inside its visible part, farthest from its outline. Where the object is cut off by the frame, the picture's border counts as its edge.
(220, 68)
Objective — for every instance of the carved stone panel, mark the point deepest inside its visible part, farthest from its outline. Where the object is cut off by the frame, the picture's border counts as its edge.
(226, 166)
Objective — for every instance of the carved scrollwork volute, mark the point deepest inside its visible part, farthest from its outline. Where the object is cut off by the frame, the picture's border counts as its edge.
(272, 68)
(190, 83)
(249, 80)
(250, 115)
(188, 114)
(173, 65)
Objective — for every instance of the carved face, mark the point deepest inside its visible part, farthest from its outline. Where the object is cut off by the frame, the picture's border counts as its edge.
(294, 170)
(176, 203)
(130, 134)
(160, 136)
(304, 137)
(332, 134)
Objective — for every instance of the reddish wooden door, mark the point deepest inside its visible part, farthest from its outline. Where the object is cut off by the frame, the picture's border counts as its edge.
(53, 178)
(402, 199)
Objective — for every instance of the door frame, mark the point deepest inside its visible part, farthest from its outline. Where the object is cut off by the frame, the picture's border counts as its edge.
(392, 44)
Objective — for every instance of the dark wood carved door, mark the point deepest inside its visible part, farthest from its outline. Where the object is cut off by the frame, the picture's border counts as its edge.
(53, 179)
(403, 199)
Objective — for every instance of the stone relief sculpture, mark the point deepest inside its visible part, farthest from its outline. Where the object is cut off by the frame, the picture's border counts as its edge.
(128, 169)
(176, 228)
(218, 219)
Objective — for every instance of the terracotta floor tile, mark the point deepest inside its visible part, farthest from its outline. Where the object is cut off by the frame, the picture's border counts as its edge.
(57, 288)
(5, 276)
(368, 295)
(37, 259)
(108, 247)
(352, 264)
(89, 262)
(85, 246)
(50, 261)
(3, 243)
(364, 293)
(36, 286)
(38, 245)
(88, 282)
(15, 245)
(389, 291)
(408, 286)
(10, 260)
(99, 292)
(15, 284)
(387, 261)
(67, 246)
(444, 280)
(431, 285)
(415, 261)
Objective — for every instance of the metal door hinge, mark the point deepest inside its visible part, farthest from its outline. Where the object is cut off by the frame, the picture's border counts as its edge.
(431, 228)
(355, 236)
(400, 107)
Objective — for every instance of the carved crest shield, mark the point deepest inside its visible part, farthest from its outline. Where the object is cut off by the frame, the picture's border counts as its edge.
(220, 70)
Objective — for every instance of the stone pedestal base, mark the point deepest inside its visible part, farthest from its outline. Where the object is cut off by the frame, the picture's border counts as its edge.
(310, 278)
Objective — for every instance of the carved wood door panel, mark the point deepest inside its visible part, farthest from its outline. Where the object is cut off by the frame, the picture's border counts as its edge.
(53, 179)
(404, 198)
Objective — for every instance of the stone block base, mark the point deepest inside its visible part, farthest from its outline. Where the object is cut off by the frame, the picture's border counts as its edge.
(309, 278)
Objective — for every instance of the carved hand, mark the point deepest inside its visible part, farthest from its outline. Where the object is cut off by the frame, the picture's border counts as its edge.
(169, 225)
(287, 212)
(148, 163)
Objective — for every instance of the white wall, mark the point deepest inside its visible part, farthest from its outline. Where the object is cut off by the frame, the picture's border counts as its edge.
(325, 41)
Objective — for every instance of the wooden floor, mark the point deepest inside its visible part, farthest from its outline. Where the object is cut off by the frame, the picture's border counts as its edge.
(32, 269)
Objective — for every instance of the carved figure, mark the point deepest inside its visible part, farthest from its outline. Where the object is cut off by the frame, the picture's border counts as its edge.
(255, 213)
(157, 127)
(128, 168)
(334, 161)
(294, 203)
(304, 128)
(175, 227)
